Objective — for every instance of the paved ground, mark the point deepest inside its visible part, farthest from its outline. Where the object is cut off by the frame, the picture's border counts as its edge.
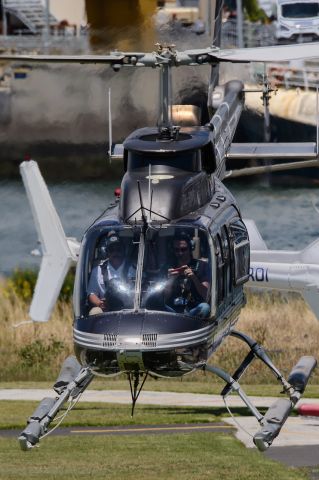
(296, 431)
(146, 398)
(297, 444)
(295, 456)
(135, 429)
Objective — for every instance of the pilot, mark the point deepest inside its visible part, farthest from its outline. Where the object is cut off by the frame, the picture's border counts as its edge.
(188, 283)
(104, 292)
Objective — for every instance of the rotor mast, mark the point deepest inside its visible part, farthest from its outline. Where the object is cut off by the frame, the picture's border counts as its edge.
(165, 116)
(166, 54)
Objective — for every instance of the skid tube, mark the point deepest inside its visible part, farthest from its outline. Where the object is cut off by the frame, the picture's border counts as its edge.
(277, 414)
(72, 381)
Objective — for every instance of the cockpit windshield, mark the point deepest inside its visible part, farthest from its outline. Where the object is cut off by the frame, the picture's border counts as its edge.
(111, 269)
(177, 271)
(165, 269)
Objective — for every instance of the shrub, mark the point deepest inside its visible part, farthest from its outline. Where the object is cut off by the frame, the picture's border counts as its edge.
(37, 353)
(22, 284)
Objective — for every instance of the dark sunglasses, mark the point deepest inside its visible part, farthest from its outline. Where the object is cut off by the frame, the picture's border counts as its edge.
(181, 249)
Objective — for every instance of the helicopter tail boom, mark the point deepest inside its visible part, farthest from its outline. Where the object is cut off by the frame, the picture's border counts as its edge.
(296, 271)
(59, 253)
(224, 122)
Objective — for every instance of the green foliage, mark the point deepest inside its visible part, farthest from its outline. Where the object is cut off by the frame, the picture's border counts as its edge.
(22, 284)
(254, 12)
(37, 353)
(67, 288)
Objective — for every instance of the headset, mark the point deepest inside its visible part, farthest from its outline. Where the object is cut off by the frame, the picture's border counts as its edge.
(105, 243)
(112, 239)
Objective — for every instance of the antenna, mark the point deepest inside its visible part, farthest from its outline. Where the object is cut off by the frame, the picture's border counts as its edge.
(47, 23)
(266, 91)
(141, 203)
(265, 98)
(317, 122)
(149, 191)
(239, 24)
(110, 125)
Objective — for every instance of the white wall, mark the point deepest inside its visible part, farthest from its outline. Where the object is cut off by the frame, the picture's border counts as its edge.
(71, 10)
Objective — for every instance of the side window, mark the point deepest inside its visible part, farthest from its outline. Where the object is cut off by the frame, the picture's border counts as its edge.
(227, 266)
(220, 263)
(240, 243)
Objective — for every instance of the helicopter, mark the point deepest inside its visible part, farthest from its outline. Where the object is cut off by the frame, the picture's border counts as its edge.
(160, 274)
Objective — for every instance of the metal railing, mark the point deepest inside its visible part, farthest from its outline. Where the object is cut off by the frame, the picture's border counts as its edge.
(254, 35)
(39, 43)
(291, 75)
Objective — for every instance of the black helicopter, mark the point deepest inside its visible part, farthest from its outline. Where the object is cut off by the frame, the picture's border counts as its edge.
(160, 275)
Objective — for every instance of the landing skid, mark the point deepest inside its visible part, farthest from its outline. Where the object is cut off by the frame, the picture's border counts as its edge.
(275, 417)
(71, 382)
(74, 379)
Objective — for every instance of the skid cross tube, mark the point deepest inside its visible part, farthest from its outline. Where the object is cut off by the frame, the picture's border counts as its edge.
(260, 353)
(239, 372)
(236, 387)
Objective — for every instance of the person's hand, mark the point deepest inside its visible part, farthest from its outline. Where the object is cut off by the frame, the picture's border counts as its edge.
(188, 272)
(96, 301)
(102, 304)
(174, 272)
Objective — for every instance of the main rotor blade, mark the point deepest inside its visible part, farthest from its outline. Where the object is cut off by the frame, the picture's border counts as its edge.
(127, 59)
(208, 55)
(64, 58)
(302, 51)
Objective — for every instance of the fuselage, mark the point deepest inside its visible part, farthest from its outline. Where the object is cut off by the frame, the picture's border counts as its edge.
(155, 317)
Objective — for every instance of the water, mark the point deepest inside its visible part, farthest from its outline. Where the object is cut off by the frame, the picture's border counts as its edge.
(285, 217)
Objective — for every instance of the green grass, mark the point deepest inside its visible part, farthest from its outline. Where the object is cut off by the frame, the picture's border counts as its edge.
(13, 414)
(144, 457)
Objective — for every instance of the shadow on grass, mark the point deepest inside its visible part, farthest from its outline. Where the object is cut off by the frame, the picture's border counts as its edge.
(176, 411)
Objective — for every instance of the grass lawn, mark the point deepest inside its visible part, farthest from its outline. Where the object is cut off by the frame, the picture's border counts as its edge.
(145, 457)
(14, 414)
(188, 456)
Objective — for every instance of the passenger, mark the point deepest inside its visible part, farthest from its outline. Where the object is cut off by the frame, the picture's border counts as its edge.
(104, 293)
(188, 285)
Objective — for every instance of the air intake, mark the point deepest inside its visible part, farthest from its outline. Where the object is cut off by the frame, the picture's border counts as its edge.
(109, 340)
(149, 339)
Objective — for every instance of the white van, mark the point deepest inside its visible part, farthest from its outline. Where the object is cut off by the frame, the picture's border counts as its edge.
(297, 20)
